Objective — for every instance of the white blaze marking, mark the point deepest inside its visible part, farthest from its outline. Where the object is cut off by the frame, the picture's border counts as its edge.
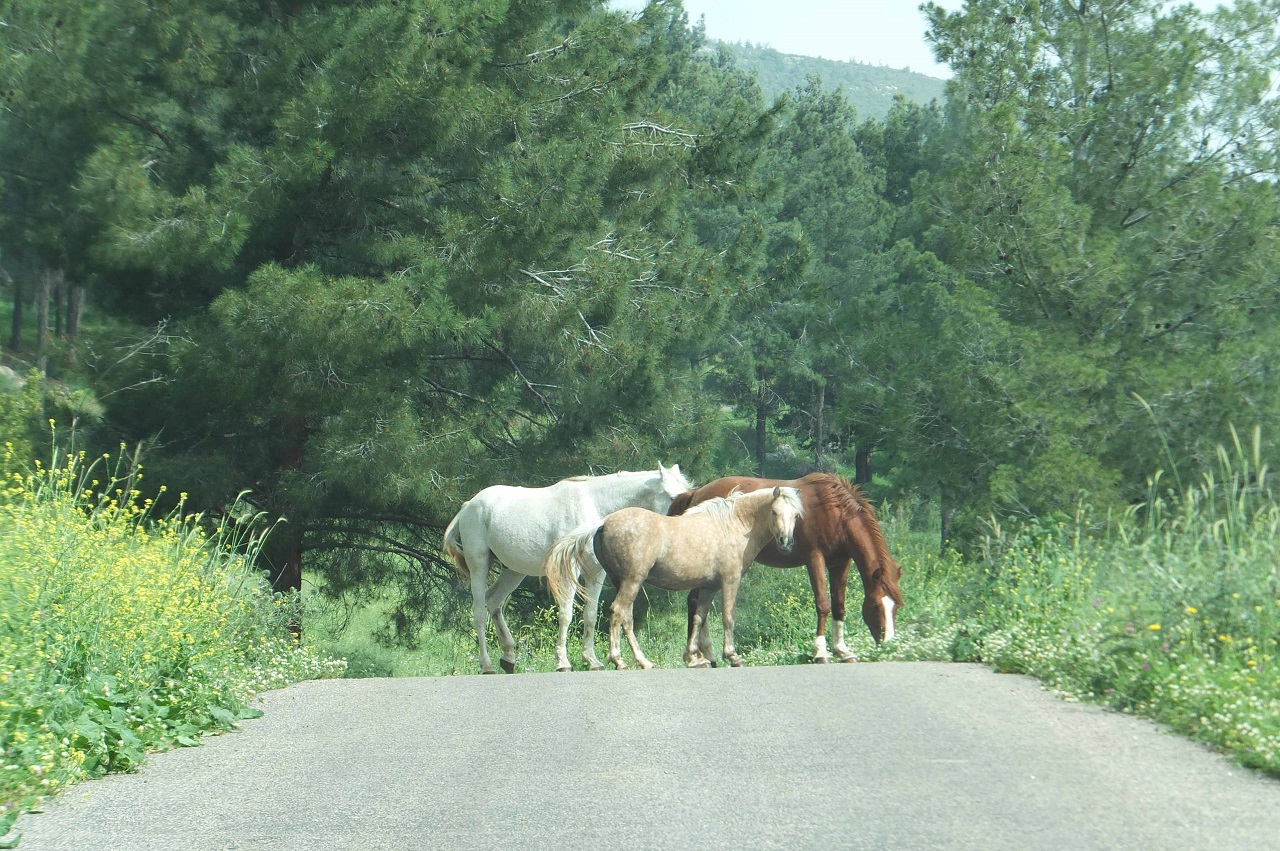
(888, 618)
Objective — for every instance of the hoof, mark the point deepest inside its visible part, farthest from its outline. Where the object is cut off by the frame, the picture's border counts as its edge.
(849, 658)
(509, 667)
(490, 671)
(566, 669)
(821, 660)
(698, 663)
(596, 666)
(735, 661)
(712, 662)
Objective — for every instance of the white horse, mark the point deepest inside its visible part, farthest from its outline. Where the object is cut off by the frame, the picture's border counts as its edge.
(517, 526)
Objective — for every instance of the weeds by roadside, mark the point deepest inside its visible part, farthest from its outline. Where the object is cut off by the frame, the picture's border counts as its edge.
(121, 632)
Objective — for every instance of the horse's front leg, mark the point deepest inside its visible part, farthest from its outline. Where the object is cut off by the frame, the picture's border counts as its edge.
(729, 604)
(822, 604)
(839, 586)
(495, 599)
(593, 578)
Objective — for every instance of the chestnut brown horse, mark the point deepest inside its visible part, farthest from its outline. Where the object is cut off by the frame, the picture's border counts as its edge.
(839, 525)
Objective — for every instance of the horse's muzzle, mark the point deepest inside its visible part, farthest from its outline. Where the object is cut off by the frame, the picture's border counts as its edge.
(785, 542)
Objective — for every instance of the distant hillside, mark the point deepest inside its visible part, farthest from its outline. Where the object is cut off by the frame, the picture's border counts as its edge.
(870, 88)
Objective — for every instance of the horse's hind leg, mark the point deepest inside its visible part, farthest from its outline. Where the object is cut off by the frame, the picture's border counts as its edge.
(693, 658)
(698, 654)
(818, 579)
(839, 584)
(704, 628)
(629, 626)
(620, 613)
(565, 609)
(495, 599)
(594, 582)
(478, 565)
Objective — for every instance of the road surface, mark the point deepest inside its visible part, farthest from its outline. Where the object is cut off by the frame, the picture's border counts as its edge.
(874, 756)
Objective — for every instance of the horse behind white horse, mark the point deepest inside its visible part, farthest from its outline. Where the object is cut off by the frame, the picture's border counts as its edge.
(516, 527)
(710, 546)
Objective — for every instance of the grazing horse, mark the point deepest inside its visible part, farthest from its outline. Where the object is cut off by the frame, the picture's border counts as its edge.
(517, 526)
(839, 525)
(707, 548)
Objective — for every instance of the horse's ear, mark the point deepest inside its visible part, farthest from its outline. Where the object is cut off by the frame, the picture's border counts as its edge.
(777, 491)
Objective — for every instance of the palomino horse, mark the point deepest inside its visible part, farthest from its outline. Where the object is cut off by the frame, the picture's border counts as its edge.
(839, 525)
(517, 526)
(708, 547)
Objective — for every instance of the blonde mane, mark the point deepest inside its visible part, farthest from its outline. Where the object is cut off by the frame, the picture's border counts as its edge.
(721, 507)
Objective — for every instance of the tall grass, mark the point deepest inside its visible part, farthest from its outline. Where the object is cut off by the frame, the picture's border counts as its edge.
(1170, 611)
(121, 632)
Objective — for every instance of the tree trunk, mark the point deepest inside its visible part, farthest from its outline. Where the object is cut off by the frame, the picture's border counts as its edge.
(862, 464)
(947, 512)
(57, 307)
(818, 434)
(283, 549)
(75, 310)
(761, 431)
(15, 334)
(287, 567)
(44, 289)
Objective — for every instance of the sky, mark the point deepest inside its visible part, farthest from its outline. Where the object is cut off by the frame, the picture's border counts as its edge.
(876, 32)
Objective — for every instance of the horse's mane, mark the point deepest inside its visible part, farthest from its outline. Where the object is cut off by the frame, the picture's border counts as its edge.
(721, 507)
(680, 504)
(621, 473)
(846, 501)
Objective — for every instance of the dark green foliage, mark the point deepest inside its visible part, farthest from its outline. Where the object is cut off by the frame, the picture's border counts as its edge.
(373, 257)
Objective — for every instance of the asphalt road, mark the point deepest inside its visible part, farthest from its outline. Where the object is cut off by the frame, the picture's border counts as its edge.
(905, 755)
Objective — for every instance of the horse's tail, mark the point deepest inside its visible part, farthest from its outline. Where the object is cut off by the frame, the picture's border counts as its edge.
(566, 560)
(452, 545)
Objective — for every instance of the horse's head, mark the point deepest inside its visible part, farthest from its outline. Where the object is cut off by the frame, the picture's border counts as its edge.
(785, 509)
(669, 484)
(880, 605)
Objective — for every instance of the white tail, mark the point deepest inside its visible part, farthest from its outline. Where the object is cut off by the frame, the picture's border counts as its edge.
(566, 560)
(452, 544)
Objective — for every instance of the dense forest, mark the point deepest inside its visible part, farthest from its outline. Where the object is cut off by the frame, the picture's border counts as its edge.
(362, 260)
